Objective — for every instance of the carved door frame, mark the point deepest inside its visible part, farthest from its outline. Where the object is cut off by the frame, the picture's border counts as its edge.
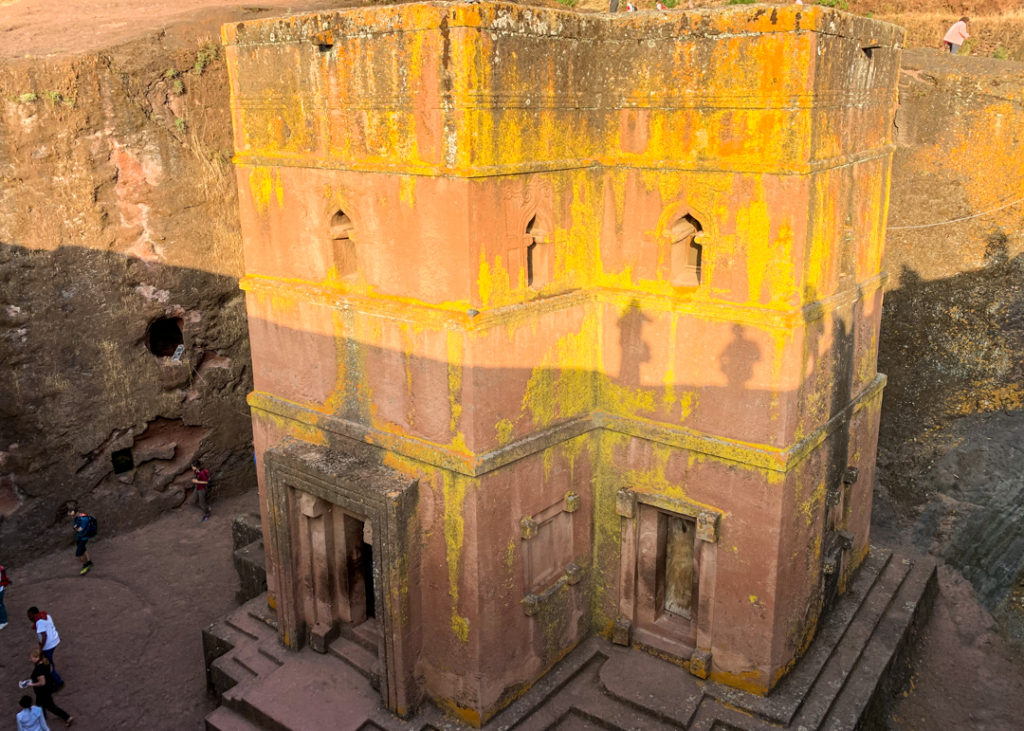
(384, 498)
(633, 506)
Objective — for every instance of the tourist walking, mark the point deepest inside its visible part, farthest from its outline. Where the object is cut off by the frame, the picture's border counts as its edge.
(956, 35)
(46, 632)
(45, 685)
(4, 582)
(202, 482)
(31, 716)
(85, 528)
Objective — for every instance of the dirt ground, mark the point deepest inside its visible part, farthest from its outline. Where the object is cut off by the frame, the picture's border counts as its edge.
(965, 675)
(130, 651)
(38, 28)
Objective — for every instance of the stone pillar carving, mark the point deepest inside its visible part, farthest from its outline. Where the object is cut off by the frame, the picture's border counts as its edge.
(319, 605)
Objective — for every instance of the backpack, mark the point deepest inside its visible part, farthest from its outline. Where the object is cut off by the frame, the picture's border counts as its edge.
(89, 526)
(4, 581)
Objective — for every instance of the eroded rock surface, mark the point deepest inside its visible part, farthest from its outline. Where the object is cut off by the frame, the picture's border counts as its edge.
(953, 323)
(123, 342)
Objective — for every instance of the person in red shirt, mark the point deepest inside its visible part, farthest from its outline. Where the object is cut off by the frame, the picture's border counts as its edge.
(201, 480)
(4, 582)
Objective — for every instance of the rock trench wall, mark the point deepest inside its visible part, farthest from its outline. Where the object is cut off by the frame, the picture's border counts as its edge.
(117, 211)
(953, 319)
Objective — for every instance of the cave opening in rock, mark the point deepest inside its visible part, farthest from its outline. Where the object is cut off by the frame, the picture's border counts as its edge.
(122, 461)
(164, 336)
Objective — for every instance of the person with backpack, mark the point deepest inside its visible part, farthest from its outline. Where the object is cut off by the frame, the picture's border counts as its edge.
(4, 582)
(85, 527)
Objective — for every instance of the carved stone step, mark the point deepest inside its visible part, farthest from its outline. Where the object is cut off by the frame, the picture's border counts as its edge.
(879, 672)
(366, 634)
(256, 662)
(224, 719)
(358, 657)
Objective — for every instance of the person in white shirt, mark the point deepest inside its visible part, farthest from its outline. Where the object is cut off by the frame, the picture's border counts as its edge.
(46, 632)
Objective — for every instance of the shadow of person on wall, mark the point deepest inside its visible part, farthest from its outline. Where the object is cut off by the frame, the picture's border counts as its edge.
(738, 358)
(634, 348)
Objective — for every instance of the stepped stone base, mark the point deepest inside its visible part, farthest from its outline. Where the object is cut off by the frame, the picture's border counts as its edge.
(249, 558)
(844, 681)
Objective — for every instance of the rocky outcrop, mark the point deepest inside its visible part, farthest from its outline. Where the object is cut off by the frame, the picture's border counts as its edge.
(123, 344)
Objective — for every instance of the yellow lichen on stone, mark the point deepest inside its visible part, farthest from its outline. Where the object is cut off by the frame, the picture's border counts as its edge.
(562, 385)
(455, 348)
(454, 491)
(265, 186)
(503, 431)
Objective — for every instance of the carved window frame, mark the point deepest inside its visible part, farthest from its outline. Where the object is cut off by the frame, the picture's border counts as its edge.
(544, 584)
(344, 258)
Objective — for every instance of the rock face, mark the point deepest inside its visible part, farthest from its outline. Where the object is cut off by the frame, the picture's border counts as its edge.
(953, 323)
(123, 345)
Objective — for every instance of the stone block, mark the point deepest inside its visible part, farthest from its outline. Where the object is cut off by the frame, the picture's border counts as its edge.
(707, 527)
(174, 375)
(573, 573)
(625, 503)
(245, 529)
(621, 631)
(700, 663)
(321, 635)
(251, 567)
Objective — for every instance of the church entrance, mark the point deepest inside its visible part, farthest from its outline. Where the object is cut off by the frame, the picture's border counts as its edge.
(339, 545)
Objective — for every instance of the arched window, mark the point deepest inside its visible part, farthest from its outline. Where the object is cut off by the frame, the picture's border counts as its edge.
(343, 249)
(686, 252)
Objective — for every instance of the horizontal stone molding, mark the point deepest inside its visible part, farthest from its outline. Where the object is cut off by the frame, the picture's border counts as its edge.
(509, 20)
(402, 309)
(758, 456)
(316, 161)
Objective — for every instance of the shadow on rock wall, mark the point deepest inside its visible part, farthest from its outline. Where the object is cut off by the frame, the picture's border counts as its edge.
(97, 406)
(952, 419)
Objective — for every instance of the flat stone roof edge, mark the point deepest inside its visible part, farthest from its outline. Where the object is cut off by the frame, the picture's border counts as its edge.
(514, 19)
